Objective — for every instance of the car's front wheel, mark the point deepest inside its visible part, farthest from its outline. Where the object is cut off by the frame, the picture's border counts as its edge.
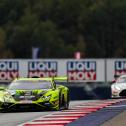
(58, 108)
(67, 102)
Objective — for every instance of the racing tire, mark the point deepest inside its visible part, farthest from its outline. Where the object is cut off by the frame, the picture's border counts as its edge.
(67, 102)
(3, 111)
(59, 105)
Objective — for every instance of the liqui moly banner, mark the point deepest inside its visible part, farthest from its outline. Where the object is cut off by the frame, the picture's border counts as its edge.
(42, 68)
(84, 70)
(9, 70)
(120, 67)
(115, 67)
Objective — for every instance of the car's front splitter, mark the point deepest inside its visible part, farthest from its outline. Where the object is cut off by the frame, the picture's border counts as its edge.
(27, 106)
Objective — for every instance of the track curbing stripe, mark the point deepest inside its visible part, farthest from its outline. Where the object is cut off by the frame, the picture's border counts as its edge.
(67, 116)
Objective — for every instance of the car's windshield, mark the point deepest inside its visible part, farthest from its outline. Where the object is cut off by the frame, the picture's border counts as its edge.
(121, 80)
(29, 85)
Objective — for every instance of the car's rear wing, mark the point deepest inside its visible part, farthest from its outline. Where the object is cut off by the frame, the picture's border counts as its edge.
(60, 79)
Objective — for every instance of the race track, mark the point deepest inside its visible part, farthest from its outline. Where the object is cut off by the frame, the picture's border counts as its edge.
(100, 107)
(16, 118)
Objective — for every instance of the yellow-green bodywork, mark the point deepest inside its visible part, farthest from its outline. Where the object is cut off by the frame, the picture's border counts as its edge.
(55, 98)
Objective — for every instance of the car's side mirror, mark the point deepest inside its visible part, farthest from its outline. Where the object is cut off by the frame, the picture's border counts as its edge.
(2, 88)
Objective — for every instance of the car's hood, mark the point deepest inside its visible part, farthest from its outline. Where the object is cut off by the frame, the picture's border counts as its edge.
(27, 94)
(121, 85)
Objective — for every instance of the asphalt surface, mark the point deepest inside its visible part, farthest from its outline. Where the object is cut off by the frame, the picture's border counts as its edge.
(119, 120)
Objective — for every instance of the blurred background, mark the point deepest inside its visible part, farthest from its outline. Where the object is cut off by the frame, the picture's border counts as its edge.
(92, 32)
(96, 28)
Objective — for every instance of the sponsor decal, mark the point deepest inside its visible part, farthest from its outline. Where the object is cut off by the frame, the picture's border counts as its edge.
(9, 70)
(81, 70)
(42, 68)
(120, 67)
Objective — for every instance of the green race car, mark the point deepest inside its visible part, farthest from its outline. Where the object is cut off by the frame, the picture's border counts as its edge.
(35, 93)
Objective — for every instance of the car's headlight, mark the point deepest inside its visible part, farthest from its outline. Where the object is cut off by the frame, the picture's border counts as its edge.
(7, 97)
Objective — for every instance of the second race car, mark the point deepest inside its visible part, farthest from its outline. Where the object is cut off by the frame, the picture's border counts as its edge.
(35, 93)
(118, 88)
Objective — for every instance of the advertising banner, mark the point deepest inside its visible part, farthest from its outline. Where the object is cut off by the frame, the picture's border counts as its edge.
(88, 70)
(9, 70)
(120, 67)
(115, 67)
(81, 70)
(42, 68)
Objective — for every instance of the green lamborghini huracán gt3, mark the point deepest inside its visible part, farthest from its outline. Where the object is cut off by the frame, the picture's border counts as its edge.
(35, 93)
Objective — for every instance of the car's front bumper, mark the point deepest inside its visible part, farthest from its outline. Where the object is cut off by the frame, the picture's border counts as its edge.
(27, 106)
